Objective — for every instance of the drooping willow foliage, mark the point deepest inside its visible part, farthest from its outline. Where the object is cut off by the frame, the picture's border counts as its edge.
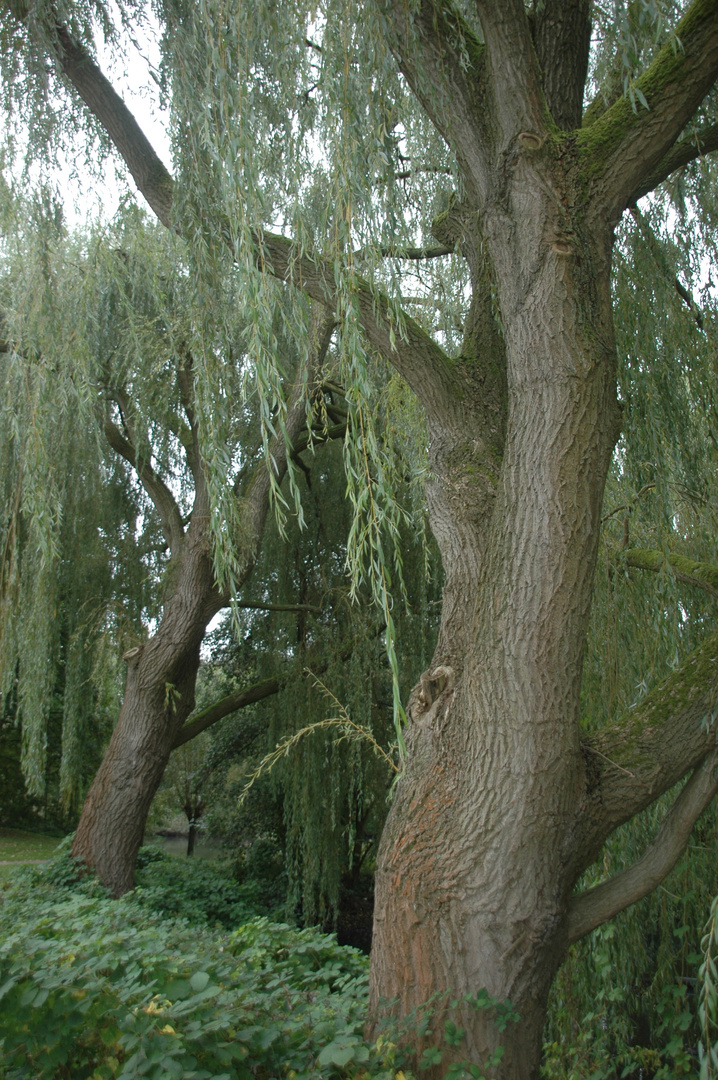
(325, 800)
(291, 118)
(255, 113)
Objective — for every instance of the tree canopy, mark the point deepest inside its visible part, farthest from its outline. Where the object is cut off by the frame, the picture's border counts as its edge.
(486, 234)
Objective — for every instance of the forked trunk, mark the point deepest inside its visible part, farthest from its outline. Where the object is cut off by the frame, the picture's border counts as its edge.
(477, 859)
(159, 696)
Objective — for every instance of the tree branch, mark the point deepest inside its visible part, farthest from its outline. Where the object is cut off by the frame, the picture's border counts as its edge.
(515, 77)
(255, 499)
(625, 147)
(702, 141)
(257, 606)
(702, 575)
(185, 385)
(238, 700)
(415, 355)
(152, 178)
(659, 257)
(422, 41)
(633, 761)
(562, 36)
(416, 252)
(594, 907)
(159, 493)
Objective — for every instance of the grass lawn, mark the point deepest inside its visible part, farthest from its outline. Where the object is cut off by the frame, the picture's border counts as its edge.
(19, 846)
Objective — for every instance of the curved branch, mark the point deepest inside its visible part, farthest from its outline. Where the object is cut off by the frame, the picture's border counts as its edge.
(623, 148)
(702, 575)
(594, 907)
(238, 700)
(702, 141)
(159, 493)
(633, 761)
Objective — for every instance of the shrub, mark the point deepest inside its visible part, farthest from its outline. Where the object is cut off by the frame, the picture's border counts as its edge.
(202, 892)
(98, 988)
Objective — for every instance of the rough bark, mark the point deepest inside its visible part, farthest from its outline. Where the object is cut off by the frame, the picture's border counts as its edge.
(484, 841)
(474, 868)
(161, 674)
(159, 696)
(500, 806)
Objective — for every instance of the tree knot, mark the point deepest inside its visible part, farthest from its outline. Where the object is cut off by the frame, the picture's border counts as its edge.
(433, 684)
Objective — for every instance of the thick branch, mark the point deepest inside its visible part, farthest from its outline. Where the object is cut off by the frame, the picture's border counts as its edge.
(514, 70)
(159, 493)
(626, 147)
(633, 761)
(148, 172)
(701, 142)
(422, 41)
(562, 35)
(702, 575)
(592, 908)
(408, 347)
(238, 700)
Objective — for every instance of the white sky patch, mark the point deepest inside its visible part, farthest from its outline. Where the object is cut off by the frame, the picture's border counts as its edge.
(133, 70)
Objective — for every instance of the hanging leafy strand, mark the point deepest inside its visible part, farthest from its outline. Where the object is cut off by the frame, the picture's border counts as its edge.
(628, 36)
(708, 999)
(251, 125)
(343, 728)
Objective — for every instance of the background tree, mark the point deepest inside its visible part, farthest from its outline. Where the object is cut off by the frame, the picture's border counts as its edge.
(503, 801)
(323, 803)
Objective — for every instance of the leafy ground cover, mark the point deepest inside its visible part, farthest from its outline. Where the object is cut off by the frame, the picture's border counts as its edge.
(98, 988)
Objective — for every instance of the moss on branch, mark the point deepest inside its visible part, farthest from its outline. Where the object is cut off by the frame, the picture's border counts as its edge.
(703, 575)
(598, 139)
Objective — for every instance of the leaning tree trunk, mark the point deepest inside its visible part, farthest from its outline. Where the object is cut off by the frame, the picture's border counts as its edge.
(476, 862)
(159, 696)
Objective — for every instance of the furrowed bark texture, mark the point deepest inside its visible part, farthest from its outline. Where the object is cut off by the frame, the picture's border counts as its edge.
(159, 696)
(500, 807)
(491, 822)
(475, 863)
(161, 678)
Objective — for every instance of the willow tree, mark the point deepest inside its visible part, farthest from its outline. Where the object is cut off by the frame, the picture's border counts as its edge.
(107, 530)
(346, 129)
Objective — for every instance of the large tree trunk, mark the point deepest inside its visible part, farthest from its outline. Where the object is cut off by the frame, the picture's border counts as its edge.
(159, 696)
(476, 863)
(497, 812)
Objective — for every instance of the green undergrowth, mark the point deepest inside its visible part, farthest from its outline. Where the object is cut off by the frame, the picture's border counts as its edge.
(201, 891)
(98, 988)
